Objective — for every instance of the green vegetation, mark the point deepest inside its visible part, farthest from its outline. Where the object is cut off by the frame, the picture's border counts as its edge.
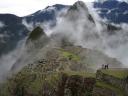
(36, 33)
(118, 73)
(34, 83)
(29, 83)
(70, 56)
(118, 91)
(53, 79)
(82, 73)
(37, 78)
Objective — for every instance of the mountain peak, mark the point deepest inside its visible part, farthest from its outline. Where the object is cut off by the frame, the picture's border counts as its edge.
(78, 5)
(79, 8)
(36, 33)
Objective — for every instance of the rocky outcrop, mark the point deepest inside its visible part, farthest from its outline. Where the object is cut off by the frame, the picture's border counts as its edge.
(37, 34)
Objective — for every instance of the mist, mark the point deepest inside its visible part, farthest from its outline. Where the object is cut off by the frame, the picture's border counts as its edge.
(1, 24)
(7, 60)
(83, 32)
(93, 35)
(82, 27)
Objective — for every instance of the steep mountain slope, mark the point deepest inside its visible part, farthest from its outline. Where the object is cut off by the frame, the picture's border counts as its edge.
(64, 54)
(55, 65)
(45, 15)
(81, 30)
(64, 63)
(76, 27)
(11, 32)
(14, 28)
(113, 10)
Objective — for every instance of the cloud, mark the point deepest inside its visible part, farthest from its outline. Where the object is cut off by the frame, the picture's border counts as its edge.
(1, 24)
(29, 26)
(77, 28)
(7, 60)
(45, 25)
(30, 6)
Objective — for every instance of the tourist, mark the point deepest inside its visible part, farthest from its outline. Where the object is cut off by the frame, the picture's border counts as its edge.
(107, 66)
(103, 67)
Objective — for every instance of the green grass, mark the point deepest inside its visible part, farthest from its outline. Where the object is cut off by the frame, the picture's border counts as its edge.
(108, 86)
(82, 73)
(36, 85)
(70, 55)
(53, 79)
(118, 73)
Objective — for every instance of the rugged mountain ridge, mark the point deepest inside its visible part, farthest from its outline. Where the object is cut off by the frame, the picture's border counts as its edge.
(113, 10)
(39, 42)
(11, 32)
(68, 55)
(15, 30)
(56, 65)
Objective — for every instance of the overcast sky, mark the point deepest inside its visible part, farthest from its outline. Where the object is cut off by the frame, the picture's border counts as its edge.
(25, 7)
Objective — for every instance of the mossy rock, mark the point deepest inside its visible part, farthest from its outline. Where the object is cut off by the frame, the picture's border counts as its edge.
(36, 33)
(70, 56)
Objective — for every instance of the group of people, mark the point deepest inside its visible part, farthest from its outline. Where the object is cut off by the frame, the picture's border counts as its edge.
(105, 66)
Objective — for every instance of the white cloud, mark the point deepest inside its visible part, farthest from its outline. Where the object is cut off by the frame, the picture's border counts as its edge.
(1, 35)
(82, 32)
(7, 60)
(29, 26)
(25, 7)
(2, 24)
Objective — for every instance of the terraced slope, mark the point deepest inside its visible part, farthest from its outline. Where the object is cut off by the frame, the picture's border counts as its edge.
(44, 80)
(115, 80)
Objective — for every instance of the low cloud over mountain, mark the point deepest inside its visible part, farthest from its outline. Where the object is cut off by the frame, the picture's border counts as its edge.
(71, 25)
